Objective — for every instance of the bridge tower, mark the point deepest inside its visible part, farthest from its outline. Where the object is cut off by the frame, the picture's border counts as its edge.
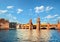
(30, 24)
(58, 25)
(48, 26)
(38, 24)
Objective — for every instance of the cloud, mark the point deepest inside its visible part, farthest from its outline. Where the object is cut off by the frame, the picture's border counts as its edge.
(48, 8)
(10, 7)
(3, 11)
(58, 17)
(12, 18)
(54, 20)
(39, 9)
(35, 19)
(19, 11)
(51, 16)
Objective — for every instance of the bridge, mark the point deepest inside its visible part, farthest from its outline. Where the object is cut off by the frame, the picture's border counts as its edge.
(4, 24)
(39, 26)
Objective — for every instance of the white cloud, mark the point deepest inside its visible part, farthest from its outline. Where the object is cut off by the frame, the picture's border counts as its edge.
(9, 15)
(58, 17)
(54, 20)
(12, 18)
(19, 11)
(9, 7)
(51, 16)
(48, 8)
(35, 19)
(39, 9)
(3, 11)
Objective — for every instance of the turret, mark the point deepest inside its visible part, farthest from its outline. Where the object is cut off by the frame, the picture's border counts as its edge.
(38, 24)
(48, 25)
(30, 24)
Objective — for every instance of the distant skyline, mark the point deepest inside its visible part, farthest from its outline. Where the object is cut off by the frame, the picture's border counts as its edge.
(22, 11)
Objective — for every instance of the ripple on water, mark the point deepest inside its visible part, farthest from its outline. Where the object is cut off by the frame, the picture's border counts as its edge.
(29, 36)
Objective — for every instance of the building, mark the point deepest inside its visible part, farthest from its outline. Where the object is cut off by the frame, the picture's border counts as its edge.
(12, 25)
(4, 24)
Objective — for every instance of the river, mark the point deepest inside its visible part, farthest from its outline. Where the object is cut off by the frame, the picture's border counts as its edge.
(26, 35)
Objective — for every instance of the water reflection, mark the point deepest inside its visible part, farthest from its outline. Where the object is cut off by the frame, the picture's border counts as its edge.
(38, 35)
(7, 35)
(58, 30)
(30, 35)
(25, 35)
(55, 36)
(45, 36)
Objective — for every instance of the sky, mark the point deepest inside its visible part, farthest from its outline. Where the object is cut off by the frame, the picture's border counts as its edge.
(22, 11)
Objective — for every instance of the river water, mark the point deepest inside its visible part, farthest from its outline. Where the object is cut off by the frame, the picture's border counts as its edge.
(26, 35)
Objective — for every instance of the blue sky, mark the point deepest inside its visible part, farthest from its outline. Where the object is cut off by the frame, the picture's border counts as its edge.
(22, 11)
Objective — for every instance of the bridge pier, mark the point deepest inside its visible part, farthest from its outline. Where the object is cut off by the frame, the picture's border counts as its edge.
(22, 26)
(38, 24)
